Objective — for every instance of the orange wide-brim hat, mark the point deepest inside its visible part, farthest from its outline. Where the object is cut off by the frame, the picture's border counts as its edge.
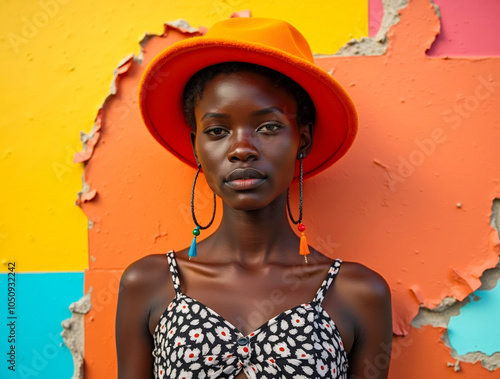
(267, 42)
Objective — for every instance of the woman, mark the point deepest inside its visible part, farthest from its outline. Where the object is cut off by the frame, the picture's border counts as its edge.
(246, 104)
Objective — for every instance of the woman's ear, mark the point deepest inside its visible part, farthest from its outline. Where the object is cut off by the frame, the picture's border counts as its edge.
(306, 138)
(193, 145)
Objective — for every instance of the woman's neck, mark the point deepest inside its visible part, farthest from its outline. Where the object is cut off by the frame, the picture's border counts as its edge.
(256, 237)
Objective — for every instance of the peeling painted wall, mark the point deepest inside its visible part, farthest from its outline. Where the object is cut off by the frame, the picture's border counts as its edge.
(149, 226)
(59, 57)
(416, 195)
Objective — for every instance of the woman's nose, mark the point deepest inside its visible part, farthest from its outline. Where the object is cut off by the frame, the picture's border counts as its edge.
(243, 146)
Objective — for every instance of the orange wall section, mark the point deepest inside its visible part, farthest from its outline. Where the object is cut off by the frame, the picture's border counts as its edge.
(412, 199)
(100, 353)
(423, 173)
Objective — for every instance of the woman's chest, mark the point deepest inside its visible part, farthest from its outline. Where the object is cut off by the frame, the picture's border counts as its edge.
(300, 340)
(250, 301)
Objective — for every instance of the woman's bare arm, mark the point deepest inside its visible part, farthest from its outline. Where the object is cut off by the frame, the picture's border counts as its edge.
(369, 300)
(134, 342)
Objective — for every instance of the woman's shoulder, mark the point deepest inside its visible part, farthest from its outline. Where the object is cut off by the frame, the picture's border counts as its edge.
(364, 295)
(362, 280)
(145, 272)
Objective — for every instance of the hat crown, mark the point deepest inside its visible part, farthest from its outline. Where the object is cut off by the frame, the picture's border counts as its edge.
(261, 41)
(276, 34)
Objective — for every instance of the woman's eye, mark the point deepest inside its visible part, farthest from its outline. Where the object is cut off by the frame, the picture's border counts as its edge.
(216, 132)
(270, 128)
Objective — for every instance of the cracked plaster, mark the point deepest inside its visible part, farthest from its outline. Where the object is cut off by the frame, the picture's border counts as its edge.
(376, 45)
(441, 314)
(73, 332)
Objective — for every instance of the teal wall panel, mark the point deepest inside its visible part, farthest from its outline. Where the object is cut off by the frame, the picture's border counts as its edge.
(33, 327)
(477, 327)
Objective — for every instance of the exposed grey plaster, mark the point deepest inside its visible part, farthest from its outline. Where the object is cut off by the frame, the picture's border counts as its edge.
(436, 8)
(73, 333)
(112, 89)
(490, 362)
(85, 137)
(143, 42)
(85, 188)
(376, 45)
(182, 24)
(456, 365)
(445, 304)
(489, 279)
(440, 315)
(495, 215)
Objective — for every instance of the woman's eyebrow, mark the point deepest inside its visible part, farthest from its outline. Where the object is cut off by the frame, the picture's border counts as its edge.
(214, 115)
(259, 112)
(269, 110)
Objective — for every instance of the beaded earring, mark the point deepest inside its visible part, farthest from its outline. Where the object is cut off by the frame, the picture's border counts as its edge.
(196, 231)
(304, 247)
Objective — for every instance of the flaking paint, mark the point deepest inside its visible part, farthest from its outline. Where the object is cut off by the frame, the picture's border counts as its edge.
(421, 228)
(58, 60)
(43, 239)
(408, 105)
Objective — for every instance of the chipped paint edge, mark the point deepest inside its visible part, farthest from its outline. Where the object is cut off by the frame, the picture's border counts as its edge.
(73, 332)
(440, 315)
(377, 45)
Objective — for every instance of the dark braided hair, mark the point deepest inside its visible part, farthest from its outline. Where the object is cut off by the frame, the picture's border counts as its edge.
(193, 91)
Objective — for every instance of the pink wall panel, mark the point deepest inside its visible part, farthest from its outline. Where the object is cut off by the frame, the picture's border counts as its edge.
(375, 14)
(468, 28)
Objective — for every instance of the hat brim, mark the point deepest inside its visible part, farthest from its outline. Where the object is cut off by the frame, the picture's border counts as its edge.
(163, 82)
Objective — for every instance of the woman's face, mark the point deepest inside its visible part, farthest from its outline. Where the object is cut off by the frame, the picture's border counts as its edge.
(247, 139)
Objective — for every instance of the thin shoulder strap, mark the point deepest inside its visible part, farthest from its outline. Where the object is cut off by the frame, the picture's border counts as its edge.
(172, 264)
(332, 273)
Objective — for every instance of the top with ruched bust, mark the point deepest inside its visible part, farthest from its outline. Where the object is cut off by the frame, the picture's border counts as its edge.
(192, 341)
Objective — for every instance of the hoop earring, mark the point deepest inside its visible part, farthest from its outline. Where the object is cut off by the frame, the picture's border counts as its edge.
(196, 231)
(304, 247)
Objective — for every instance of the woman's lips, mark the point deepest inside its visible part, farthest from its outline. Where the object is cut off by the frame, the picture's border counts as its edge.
(245, 179)
(244, 184)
